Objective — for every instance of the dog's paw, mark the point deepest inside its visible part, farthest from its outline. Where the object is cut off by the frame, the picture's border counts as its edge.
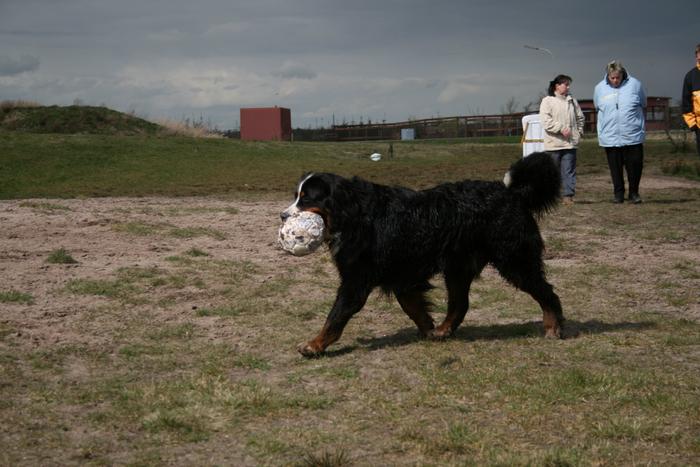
(438, 334)
(308, 350)
(555, 333)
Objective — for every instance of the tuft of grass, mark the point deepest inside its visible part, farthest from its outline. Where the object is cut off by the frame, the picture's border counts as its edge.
(196, 252)
(681, 168)
(189, 428)
(132, 284)
(225, 311)
(14, 296)
(138, 228)
(44, 206)
(60, 256)
(183, 331)
(251, 362)
(179, 211)
(192, 232)
(326, 459)
(104, 288)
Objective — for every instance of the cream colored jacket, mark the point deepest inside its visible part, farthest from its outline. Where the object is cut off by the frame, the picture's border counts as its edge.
(557, 113)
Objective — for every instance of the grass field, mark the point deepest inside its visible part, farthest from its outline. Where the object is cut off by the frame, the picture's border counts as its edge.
(59, 166)
(155, 327)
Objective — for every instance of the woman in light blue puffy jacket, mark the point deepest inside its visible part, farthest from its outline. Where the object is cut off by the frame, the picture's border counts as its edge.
(620, 102)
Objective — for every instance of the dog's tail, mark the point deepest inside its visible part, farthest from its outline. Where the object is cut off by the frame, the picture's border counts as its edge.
(536, 180)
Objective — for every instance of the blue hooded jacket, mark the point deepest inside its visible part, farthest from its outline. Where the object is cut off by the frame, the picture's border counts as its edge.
(620, 112)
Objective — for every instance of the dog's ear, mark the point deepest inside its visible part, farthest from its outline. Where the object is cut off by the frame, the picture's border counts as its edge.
(345, 202)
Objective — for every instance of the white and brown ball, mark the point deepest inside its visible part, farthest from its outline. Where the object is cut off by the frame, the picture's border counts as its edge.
(302, 233)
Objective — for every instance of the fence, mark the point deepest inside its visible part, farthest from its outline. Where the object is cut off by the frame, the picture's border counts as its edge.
(446, 127)
(659, 117)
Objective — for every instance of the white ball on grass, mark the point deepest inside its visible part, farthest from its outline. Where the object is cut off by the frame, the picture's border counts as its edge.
(302, 233)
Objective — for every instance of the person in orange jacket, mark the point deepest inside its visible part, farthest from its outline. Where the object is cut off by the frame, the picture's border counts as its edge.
(690, 102)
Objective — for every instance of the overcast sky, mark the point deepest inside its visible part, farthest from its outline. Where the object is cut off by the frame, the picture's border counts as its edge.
(353, 59)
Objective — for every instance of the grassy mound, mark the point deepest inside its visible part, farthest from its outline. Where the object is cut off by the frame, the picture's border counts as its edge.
(73, 119)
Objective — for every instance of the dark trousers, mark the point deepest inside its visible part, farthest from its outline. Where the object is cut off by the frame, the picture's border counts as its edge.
(697, 139)
(631, 160)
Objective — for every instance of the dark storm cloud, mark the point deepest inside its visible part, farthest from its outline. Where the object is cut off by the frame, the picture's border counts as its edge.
(14, 66)
(383, 59)
(292, 70)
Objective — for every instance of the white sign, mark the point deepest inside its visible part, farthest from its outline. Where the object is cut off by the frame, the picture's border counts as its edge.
(533, 135)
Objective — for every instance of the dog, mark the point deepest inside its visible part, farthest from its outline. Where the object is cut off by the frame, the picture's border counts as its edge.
(397, 239)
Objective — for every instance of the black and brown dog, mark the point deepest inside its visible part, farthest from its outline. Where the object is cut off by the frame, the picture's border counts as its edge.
(398, 239)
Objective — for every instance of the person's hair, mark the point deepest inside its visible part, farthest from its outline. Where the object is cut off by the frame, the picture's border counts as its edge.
(697, 49)
(616, 67)
(558, 80)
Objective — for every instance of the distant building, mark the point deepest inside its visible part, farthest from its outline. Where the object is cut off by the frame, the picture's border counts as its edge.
(657, 114)
(266, 124)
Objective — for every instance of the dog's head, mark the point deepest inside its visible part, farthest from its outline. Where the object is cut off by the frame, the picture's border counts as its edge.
(314, 194)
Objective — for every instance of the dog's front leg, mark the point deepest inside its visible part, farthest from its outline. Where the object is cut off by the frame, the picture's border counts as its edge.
(349, 300)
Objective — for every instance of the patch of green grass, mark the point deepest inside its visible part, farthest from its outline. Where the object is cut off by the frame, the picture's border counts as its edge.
(325, 459)
(103, 288)
(193, 232)
(186, 427)
(251, 362)
(145, 229)
(44, 206)
(182, 331)
(458, 439)
(138, 228)
(60, 256)
(266, 444)
(682, 168)
(138, 350)
(181, 261)
(51, 165)
(348, 372)
(179, 211)
(197, 253)
(276, 287)
(619, 428)
(687, 269)
(15, 296)
(73, 119)
(131, 284)
(233, 271)
(223, 311)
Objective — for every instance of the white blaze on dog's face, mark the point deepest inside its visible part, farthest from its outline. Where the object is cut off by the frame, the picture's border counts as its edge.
(294, 207)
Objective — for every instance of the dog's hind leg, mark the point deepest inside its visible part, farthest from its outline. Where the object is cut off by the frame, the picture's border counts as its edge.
(552, 315)
(457, 284)
(531, 279)
(349, 300)
(415, 305)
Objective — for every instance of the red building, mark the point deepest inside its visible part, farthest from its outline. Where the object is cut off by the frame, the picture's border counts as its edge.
(266, 124)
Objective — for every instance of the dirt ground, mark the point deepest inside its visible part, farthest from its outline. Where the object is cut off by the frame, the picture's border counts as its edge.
(92, 231)
(95, 232)
(106, 236)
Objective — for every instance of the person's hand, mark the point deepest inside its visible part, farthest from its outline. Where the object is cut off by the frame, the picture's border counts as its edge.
(566, 132)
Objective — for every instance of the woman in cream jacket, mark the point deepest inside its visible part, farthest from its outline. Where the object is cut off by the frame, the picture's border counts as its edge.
(562, 121)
